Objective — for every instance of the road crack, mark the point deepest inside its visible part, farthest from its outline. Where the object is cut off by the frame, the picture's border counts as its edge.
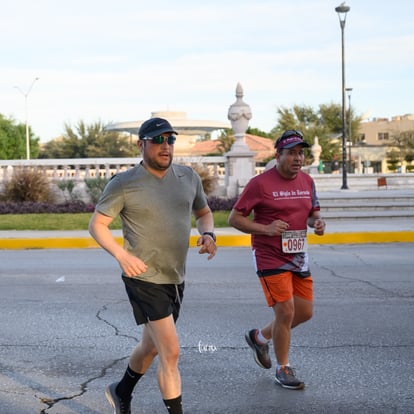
(51, 402)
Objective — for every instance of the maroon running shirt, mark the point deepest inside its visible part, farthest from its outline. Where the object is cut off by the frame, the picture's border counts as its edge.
(271, 197)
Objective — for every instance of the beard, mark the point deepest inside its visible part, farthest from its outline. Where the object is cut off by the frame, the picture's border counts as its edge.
(159, 165)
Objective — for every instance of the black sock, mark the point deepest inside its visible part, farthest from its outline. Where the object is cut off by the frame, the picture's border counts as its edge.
(126, 385)
(174, 405)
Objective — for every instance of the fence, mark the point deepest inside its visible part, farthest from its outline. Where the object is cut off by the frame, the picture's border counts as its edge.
(81, 169)
(85, 168)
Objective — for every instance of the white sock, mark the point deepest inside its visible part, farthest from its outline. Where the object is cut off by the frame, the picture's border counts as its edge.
(278, 366)
(260, 338)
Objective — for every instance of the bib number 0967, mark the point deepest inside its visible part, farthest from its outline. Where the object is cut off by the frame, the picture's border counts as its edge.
(294, 241)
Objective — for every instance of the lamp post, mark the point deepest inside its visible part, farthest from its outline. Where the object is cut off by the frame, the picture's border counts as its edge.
(349, 90)
(342, 10)
(26, 115)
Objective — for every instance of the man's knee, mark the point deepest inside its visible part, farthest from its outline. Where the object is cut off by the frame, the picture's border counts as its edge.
(303, 311)
(173, 350)
(285, 311)
(169, 354)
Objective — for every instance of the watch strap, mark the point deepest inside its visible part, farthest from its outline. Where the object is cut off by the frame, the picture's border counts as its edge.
(211, 234)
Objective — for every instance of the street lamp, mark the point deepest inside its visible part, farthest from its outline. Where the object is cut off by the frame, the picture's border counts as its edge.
(349, 90)
(342, 10)
(26, 115)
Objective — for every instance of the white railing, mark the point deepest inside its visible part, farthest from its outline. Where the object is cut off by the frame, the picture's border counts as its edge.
(78, 169)
(75, 169)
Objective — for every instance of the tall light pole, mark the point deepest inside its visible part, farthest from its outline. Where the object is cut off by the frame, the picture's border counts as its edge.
(342, 10)
(349, 90)
(26, 94)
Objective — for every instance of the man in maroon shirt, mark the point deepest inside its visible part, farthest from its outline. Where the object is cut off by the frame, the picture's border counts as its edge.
(284, 203)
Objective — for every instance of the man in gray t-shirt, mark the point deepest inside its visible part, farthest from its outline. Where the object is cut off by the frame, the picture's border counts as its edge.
(155, 201)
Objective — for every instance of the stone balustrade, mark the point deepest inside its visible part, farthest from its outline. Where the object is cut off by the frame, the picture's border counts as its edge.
(88, 168)
(71, 169)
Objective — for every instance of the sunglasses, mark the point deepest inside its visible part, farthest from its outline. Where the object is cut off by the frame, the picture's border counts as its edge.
(159, 139)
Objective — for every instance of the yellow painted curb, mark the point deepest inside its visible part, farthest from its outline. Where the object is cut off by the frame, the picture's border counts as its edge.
(363, 237)
(235, 240)
(222, 240)
(49, 243)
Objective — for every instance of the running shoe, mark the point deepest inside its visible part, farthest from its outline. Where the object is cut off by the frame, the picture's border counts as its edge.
(260, 352)
(286, 378)
(120, 405)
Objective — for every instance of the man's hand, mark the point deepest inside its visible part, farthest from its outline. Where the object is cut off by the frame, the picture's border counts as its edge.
(319, 226)
(208, 245)
(276, 228)
(130, 264)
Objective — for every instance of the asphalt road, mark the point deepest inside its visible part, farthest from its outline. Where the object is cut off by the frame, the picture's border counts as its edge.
(67, 330)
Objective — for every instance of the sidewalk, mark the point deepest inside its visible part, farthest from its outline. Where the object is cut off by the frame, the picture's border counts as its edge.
(386, 230)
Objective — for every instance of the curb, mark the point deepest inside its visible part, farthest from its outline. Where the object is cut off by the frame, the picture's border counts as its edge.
(222, 240)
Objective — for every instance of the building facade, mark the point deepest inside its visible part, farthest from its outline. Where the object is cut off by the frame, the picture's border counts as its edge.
(368, 154)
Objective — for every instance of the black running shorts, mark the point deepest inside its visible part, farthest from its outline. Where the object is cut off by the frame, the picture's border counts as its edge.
(151, 301)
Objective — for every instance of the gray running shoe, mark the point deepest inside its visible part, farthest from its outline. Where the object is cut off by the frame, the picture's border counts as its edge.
(121, 406)
(260, 352)
(285, 377)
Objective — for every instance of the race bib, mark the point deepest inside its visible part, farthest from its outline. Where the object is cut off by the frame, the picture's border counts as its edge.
(294, 241)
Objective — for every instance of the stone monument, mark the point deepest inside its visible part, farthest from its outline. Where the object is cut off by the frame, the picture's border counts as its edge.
(316, 150)
(240, 158)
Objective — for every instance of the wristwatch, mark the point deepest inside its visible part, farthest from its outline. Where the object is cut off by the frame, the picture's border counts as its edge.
(209, 233)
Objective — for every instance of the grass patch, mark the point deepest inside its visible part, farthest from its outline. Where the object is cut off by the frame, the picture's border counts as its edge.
(49, 221)
(220, 219)
(73, 221)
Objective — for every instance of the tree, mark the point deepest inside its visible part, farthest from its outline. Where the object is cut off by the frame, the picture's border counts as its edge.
(331, 117)
(401, 148)
(13, 140)
(258, 132)
(393, 159)
(226, 140)
(324, 123)
(89, 141)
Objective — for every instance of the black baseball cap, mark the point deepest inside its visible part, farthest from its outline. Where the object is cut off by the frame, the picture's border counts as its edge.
(290, 139)
(154, 127)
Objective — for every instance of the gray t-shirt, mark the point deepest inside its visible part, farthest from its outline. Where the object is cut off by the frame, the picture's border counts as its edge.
(156, 217)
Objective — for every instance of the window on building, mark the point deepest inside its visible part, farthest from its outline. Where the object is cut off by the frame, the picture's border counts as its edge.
(361, 138)
(383, 136)
(376, 166)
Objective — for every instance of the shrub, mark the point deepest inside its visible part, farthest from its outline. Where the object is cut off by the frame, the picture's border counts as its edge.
(28, 184)
(94, 187)
(221, 203)
(77, 206)
(208, 181)
(67, 186)
(34, 207)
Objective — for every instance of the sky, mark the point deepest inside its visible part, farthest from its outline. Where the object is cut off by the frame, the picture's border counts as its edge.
(106, 61)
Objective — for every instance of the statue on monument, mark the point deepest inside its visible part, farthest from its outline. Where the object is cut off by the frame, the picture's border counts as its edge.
(240, 158)
(239, 115)
(316, 150)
